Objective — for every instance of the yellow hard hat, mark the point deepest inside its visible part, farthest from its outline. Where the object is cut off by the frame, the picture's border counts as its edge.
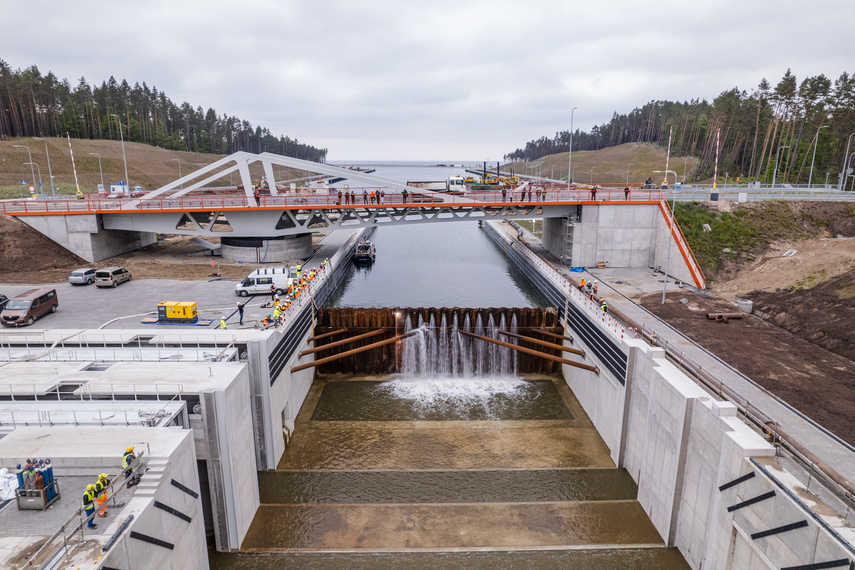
(102, 476)
(90, 487)
(129, 449)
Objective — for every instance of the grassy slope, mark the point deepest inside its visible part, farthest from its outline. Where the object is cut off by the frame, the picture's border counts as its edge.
(148, 166)
(609, 164)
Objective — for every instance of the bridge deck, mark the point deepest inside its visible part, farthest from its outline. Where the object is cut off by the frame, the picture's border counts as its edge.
(238, 202)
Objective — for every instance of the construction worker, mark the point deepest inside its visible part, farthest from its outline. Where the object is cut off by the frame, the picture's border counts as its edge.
(101, 492)
(603, 306)
(299, 270)
(596, 286)
(240, 307)
(89, 505)
(326, 263)
(582, 283)
(273, 288)
(277, 313)
(222, 323)
(268, 320)
(128, 461)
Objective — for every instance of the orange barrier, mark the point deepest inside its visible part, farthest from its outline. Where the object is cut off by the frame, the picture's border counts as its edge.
(686, 251)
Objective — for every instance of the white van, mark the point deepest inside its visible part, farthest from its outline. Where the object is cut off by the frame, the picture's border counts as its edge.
(259, 281)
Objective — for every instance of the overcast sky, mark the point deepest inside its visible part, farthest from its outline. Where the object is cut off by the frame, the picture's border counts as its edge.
(455, 80)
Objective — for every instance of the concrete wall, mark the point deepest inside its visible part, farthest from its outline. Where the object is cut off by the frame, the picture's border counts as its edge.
(677, 268)
(228, 425)
(553, 236)
(85, 236)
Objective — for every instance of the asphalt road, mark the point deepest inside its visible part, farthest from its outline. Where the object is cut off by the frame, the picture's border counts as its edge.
(86, 306)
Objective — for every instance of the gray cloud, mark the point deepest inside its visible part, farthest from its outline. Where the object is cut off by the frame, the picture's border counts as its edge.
(432, 80)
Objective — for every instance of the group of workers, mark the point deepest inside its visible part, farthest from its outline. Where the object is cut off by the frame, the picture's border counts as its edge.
(94, 497)
(591, 289)
(297, 287)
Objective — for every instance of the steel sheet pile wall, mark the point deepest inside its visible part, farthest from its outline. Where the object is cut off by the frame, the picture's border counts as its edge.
(387, 359)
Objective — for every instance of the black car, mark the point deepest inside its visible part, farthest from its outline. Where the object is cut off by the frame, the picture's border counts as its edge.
(3, 300)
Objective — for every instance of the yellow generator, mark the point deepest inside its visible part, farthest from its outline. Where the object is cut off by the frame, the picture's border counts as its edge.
(177, 312)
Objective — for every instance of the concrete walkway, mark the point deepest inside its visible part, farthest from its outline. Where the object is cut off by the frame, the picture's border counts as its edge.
(614, 284)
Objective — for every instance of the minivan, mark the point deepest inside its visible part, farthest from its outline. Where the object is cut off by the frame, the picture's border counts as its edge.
(259, 281)
(29, 306)
(111, 276)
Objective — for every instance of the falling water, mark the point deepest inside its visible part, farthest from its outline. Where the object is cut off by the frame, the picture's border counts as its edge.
(442, 352)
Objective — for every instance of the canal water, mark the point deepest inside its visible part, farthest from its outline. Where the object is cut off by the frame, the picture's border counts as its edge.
(443, 466)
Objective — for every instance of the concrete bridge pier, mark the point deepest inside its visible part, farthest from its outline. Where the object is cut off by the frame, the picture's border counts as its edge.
(84, 235)
(267, 249)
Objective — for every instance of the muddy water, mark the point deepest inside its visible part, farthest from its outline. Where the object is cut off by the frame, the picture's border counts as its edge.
(497, 472)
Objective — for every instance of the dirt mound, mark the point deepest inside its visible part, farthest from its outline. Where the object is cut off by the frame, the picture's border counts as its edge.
(27, 256)
(816, 381)
(823, 315)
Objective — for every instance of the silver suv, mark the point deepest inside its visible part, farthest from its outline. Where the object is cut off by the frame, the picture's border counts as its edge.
(111, 276)
(84, 276)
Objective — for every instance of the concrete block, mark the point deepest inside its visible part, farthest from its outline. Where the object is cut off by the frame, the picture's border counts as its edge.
(724, 409)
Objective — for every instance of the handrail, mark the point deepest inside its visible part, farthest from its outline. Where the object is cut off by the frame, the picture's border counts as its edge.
(692, 264)
(556, 194)
(78, 514)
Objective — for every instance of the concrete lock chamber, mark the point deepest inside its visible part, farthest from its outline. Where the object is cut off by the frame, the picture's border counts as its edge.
(267, 249)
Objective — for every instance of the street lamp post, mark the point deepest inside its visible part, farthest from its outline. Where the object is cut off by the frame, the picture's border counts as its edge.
(627, 172)
(32, 173)
(179, 171)
(815, 144)
(849, 162)
(671, 236)
(127, 181)
(40, 173)
(775, 172)
(845, 160)
(99, 169)
(570, 154)
(52, 192)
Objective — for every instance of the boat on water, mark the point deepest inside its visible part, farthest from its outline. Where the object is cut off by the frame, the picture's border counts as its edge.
(364, 252)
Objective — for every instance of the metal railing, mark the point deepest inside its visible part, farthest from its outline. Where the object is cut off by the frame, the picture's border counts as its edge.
(52, 550)
(533, 194)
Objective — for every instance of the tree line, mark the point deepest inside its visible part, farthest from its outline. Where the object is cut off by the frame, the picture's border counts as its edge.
(36, 105)
(787, 124)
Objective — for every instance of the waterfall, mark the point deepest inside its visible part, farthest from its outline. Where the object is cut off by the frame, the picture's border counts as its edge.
(437, 350)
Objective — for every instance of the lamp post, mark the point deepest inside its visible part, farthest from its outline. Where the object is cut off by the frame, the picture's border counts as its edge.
(849, 162)
(40, 173)
(127, 181)
(775, 172)
(627, 172)
(179, 171)
(671, 229)
(845, 160)
(570, 154)
(685, 162)
(815, 144)
(52, 192)
(32, 173)
(99, 169)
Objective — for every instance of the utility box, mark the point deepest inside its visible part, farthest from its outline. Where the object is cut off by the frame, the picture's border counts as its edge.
(177, 312)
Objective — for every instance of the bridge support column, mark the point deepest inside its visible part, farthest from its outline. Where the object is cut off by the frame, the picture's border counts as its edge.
(267, 250)
(85, 236)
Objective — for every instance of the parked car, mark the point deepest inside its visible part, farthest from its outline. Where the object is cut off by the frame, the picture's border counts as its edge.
(29, 306)
(111, 276)
(84, 276)
(3, 300)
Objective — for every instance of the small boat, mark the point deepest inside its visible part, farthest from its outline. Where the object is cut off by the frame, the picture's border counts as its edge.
(364, 252)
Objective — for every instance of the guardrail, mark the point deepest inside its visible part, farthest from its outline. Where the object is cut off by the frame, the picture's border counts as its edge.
(540, 194)
(52, 551)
